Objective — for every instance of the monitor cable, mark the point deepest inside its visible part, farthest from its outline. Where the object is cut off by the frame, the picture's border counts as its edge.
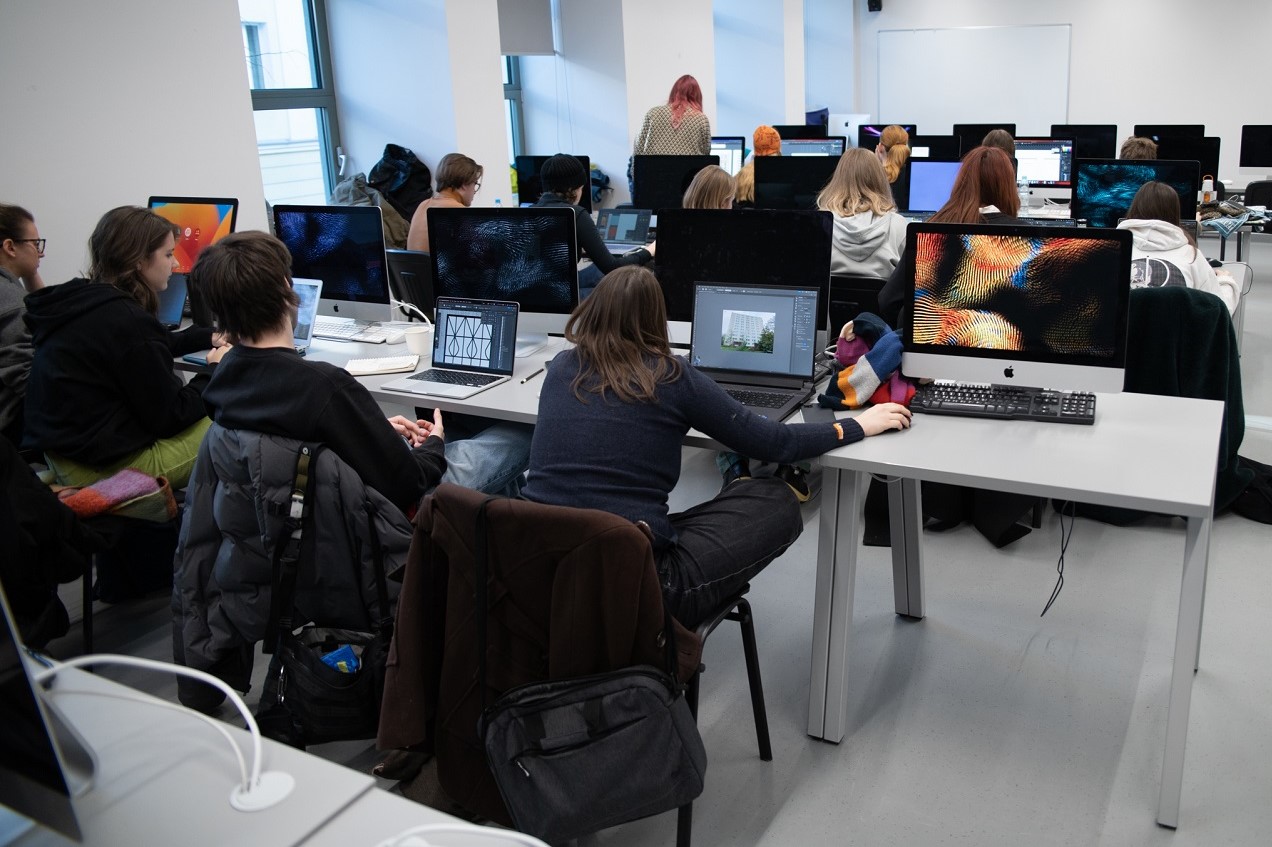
(407, 308)
(1068, 509)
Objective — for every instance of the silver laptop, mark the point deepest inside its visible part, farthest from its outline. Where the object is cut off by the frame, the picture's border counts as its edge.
(623, 229)
(474, 348)
(310, 292)
(172, 302)
(758, 342)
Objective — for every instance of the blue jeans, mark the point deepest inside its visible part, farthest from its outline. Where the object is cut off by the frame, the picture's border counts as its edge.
(493, 461)
(589, 278)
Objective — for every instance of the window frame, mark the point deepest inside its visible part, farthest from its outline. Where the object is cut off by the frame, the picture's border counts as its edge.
(512, 94)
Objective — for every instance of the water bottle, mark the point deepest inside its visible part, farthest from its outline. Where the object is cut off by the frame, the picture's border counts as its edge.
(498, 202)
(1022, 188)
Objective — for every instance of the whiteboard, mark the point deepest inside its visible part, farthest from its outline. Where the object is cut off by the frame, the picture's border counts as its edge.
(936, 78)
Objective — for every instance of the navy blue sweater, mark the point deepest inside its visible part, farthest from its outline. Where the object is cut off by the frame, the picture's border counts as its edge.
(624, 458)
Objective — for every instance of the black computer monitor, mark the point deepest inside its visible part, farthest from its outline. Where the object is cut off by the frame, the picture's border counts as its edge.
(868, 135)
(1090, 141)
(344, 247)
(1256, 146)
(971, 135)
(831, 145)
(789, 182)
(941, 147)
(659, 182)
(526, 255)
(1205, 150)
(1104, 188)
(760, 246)
(785, 131)
(1159, 131)
(530, 187)
(732, 151)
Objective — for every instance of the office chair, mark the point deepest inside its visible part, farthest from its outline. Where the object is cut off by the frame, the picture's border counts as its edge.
(851, 295)
(411, 275)
(1259, 193)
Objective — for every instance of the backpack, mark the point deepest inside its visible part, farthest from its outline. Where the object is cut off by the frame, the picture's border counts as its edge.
(402, 178)
(600, 184)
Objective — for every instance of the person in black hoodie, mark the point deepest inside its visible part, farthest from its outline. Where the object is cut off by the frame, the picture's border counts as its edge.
(563, 180)
(102, 394)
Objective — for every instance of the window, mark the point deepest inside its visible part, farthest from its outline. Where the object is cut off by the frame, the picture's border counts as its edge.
(512, 104)
(289, 69)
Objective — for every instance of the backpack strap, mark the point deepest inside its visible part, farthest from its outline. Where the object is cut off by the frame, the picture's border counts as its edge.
(287, 550)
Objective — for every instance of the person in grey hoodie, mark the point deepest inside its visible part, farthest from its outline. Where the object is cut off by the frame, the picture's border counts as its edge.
(21, 249)
(1164, 254)
(869, 235)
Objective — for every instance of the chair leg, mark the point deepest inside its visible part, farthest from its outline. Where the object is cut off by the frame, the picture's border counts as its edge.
(684, 825)
(86, 622)
(691, 694)
(744, 619)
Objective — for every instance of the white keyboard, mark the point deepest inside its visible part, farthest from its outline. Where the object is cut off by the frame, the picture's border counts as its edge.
(340, 329)
(382, 365)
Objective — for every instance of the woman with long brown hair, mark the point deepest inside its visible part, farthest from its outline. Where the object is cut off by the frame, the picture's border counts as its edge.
(102, 395)
(612, 414)
(893, 151)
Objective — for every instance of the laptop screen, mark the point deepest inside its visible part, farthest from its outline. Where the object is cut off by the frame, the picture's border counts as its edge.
(830, 146)
(475, 335)
(310, 292)
(172, 301)
(731, 149)
(930, 184)
(628, 226)
(757, 329)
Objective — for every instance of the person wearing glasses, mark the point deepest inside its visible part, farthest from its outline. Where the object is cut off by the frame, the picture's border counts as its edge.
(21, 249)
(102, 395)
(458, 181)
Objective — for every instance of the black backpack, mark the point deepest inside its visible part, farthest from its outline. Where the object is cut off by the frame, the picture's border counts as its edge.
(402, 178)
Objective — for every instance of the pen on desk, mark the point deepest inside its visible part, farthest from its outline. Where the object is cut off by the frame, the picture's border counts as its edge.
(529, 377)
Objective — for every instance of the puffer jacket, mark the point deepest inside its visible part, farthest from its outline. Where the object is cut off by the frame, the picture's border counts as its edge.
(234, 512)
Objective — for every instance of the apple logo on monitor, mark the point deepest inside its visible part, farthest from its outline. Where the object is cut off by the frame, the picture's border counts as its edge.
(1009, 372)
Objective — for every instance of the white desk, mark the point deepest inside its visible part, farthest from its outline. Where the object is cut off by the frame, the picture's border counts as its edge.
(1157, 454)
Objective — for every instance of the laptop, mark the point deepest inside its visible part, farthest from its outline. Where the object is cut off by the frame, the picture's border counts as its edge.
(474, 348)
(623, 229)
(172, 302)
(758, 342)
(310, 292)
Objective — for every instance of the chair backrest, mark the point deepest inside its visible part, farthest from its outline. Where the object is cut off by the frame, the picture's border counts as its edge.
(1259, 193)
(411, 275)
(850, 296)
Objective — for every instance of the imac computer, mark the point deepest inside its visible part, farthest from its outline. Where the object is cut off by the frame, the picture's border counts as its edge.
(847, 124)
(971, 135)
(1090, 141)
(931, 182)
(527, 256)
(1029, 306)
(1104, 188)
(1204, 150)
(785, 131)
(868, 135)
(1159, 131)
(789, 182)
(745, 246)
(831, 145)
(659, 182)
(201, 221)
(1048, 165)
(942, 147)
(530, 187)
(344, 247)
(1256, 146)
(732, 151)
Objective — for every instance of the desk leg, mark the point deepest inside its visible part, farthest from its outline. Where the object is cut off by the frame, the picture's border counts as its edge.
(1187, 643)
(905, 512)
(839, 536)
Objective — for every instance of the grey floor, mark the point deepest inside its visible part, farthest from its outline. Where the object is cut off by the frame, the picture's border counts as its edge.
(983, 724)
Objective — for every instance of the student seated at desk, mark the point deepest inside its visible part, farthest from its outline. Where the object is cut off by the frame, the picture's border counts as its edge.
(765, 142)
(458, 181)
(21, 249)
(1138, 147)
(711, 188)
(1164, 254)
(869, 235)
(102, 394)
(612, 414)
(563, 180)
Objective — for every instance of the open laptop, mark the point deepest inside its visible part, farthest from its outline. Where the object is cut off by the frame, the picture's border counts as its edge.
(172, 302)
(309, 291)
(474, 348)
(757, 342)
(623, 229)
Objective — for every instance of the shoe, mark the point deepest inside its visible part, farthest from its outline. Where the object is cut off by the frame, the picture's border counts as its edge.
(796, 479)
(733, 467)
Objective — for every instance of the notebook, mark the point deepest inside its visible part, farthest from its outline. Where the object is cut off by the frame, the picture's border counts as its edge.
(758, 342)
(474, 348)
(172, 302)
(623, 229)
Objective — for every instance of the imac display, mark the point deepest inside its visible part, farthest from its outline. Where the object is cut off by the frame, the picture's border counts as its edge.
(1159, 131)
(1256, 146)
(731, 149)
(790, 182)
(785, 131)
(527, 256)
(831, 145)
(344, 247)
(971, 135)
(1104, 188)
(943, 147)
(1021, 305)
(202, 221)
(930, 184)
(1203, 150)
(868, 135)
(659, 182)
(847, 124)
(1048, 165)
(1090, 141)
(530, 187)
(744, 246)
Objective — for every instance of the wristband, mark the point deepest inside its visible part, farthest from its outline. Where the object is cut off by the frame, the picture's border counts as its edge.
(839, 430)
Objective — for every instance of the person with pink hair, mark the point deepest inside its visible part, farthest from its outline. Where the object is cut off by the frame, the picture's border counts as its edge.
(677, 127)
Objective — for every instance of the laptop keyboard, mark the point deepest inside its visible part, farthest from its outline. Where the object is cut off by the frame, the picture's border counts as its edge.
(759, 399)
(455, 377)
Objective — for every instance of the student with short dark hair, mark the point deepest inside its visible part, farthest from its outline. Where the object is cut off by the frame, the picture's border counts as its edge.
(102, 395)
(21, 249)
(1001, 139)
(1138, 147)
(458, 181)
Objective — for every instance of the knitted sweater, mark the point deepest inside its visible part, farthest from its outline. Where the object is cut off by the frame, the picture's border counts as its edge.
(659, 138)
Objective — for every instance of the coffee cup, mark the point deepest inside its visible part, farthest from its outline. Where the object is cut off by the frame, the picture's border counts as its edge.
(419, 340)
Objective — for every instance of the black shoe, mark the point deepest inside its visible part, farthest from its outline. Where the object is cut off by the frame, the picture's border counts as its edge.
(796, 479)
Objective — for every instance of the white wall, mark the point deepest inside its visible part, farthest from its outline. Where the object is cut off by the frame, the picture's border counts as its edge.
(1132, 61)
(472, 28)
(98, 114)
(829, 55)
(750, 66)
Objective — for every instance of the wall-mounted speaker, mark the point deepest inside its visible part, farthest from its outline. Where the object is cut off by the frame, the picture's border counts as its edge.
(874, 5)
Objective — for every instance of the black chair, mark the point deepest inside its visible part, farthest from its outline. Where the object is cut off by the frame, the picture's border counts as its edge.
(1259, 193)
(850, 296)
(411, 276)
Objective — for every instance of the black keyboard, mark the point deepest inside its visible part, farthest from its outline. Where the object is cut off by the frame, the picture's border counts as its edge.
(454, 377)
(759, 399)
(1004, 401)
